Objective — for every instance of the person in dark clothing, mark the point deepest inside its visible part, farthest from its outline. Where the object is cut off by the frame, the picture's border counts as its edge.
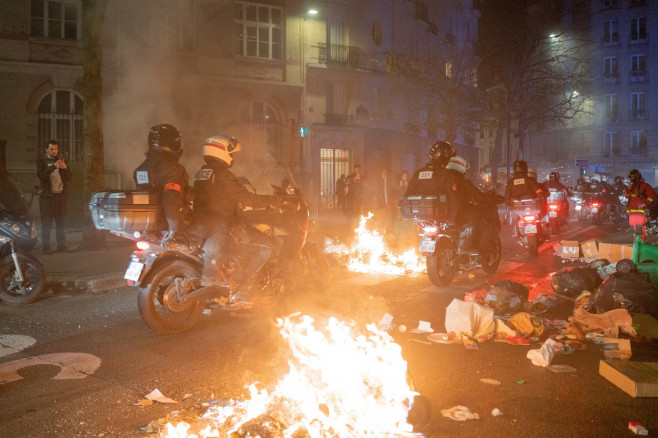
(219, 197)
(521, 185)
(382, 198)
(355, 191)
(54, 175)
(434, 179)
(341, 192)
(165, 178)
(558, 192)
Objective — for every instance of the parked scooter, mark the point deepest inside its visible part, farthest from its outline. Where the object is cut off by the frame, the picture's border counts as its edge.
(445, 252)
(171, 298)
(531, 227)
(22, 276)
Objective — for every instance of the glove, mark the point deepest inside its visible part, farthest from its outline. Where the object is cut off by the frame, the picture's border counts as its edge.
(174, 237)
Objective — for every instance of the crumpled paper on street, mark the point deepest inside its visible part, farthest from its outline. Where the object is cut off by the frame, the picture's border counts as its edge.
(459, 413)
(470, 320)
(609, 323)
(543, 356)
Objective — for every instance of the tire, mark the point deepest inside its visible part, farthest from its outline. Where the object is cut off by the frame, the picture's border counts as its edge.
(158, 306)
(420, 414)
(599, 218)
(533, 245)
(440, 269)
(34, 276)
(555, 226)
(491, 260)
(582, 215)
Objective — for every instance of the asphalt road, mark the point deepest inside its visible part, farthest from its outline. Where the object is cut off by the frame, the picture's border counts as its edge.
(123, 360)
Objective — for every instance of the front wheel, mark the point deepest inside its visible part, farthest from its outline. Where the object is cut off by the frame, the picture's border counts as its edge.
(33, 284)
(440, 267)
(491, 259)
(159, 303)
(599, 218)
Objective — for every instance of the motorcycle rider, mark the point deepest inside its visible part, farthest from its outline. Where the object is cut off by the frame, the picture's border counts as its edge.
(164, 177)
(619, 186)
(219, 197)
(434, 179)
(521, 184)
(558, 191)
(640, 195)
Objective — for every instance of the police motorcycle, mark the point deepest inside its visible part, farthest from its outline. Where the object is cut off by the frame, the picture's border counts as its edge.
(167, 275)
(593, 207)
(530, 224)
(22, 276)
(447, 252)
(556, 210)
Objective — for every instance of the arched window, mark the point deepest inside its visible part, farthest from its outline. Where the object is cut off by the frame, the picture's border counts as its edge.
(60, 118)
(56, 19)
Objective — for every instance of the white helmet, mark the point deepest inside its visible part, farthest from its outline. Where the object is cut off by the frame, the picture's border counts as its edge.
(596, 177)
(458, 163)
(221, 147)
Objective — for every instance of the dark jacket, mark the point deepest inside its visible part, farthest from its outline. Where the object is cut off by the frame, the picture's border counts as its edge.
(45, 169)
(218, 195)
(557, 187)
(167, 181)
(434, 179)
(519, 187)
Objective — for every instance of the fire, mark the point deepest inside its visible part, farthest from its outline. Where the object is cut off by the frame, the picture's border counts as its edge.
(370, 254)
(341, 383)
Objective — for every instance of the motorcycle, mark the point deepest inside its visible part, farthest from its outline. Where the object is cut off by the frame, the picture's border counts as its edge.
(171, 298)
(530, 227)
(557, 211)
(445, 251)
(22, 276)
(592, 207)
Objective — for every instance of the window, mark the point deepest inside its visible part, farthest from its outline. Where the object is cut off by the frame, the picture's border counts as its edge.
(638, 106)
(60, 118)
(639, 143)
(611, 71)
(55, 19)
(610, 4)
(610, 33)
(611, 146)
(262, 119)
(334, 162)
(258, 30)
(638, 30)
(638, 68)
(611, 107)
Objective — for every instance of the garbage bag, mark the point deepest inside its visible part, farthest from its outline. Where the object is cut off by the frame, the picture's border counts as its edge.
(513, 287)
(470, 320)
(526, 324)
(570, 282)
(632, 291)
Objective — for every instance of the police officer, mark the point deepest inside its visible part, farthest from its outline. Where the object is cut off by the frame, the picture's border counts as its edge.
(219, 197)
(164, 177)
(434, 179)
(558, 191)
(521, 185)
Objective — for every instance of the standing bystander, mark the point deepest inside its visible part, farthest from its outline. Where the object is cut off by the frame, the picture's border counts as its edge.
(341, 191)
(54, 175)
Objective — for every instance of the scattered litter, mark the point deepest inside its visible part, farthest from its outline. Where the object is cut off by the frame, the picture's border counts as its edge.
(496, 413)
(638, 429)
(470, 320)
(490, 381)
(543, 356)
(444, 338)
(386, 323)
(562, 368)
(143, 402)
(402, 328)
(156, 395)
(520, 382)
(459, 413)
(526, 324)
(470, 344)
(423, 327)
(517, 340)
(419, 341)
(614, 348)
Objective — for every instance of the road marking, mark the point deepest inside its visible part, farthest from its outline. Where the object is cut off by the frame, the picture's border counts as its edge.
(10, 344)
(72, 366)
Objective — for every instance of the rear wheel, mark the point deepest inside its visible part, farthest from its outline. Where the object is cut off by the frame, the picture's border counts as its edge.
(159, 304)
(440, 268)
(33, 284)
(599, 218)
(555, 225)
(533, 245)
(491, 259)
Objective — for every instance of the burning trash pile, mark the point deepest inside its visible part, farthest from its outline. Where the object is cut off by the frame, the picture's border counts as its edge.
(369, 253)
(342, 382)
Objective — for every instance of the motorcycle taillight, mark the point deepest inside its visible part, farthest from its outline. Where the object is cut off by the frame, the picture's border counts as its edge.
(529, 218)
(553, 206)
(595, 204)
(143, 245)
(430, 229)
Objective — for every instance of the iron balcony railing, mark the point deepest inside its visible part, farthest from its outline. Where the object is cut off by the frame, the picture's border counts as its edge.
(639, 76)
(338, 54)
(639, 114)
(636, 39)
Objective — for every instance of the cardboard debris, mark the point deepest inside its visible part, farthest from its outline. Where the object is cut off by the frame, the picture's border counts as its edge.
(637, 379)
(614, 252)
(615, 348)
(570, 249)
(589, 249)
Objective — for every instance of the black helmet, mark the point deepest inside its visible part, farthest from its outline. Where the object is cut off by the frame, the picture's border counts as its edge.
(635, 176)
(520, 168)
(442, 152)
(166, 138)
(554, 177)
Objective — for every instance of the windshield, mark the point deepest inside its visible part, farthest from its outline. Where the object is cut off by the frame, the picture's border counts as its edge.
(11, 197)
(275, 175)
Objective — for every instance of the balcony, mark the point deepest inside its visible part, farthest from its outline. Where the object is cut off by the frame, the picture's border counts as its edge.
(636, 3)
(610, 4)
(639, 114)
(612, 78)
(638, 76)
(610, 40)
(338, 54)
(638, 39)
(338, 119)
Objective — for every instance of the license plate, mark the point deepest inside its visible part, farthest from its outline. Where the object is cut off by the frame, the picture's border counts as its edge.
(427, 246)
(594, 209)
(552, 214)
(578, 207)
(530, 229)
(134, 270)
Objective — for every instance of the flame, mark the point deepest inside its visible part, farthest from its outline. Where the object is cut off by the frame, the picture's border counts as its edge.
(341, 383)
(370, 254)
